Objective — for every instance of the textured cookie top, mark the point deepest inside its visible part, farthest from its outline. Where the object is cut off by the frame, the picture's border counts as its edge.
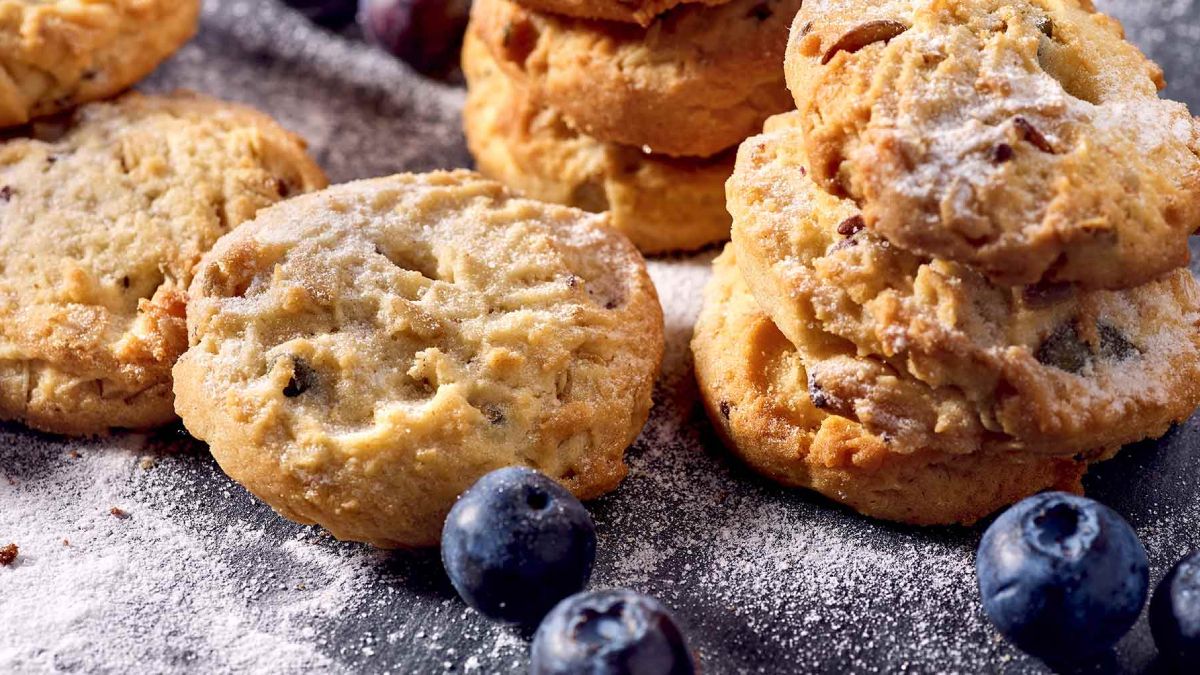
(694, 82)
(641, 12)
(753, 382)
(55, 54)
(102, 219)
(361, 355)
(1042, 367)
(1024, 138)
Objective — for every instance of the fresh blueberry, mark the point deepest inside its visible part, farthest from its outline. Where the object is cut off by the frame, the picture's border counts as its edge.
(615, 632)
(1063, 577)
(427, 34)
(1175, 613)
(516, 543)
(332, 13)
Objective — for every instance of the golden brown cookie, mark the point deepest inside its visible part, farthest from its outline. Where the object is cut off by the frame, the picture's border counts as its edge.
(641, 12)
(102, 219)
(886, 332)
(56, 54)
(694, 82)
(1025, 139)
(661, 203)
(754, 386)
(360, 356)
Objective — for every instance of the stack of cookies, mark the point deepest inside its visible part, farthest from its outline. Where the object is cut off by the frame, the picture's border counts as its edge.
(630, 107)
(955, 276)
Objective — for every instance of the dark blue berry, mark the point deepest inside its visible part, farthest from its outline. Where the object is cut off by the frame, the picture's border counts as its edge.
(615, 632)
(1175, 613)
(1063, 577)
(332, 13)
(516, 543)
(427, 34)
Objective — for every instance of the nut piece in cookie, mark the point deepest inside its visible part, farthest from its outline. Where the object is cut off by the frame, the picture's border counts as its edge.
(1024, 139)
(360, 356)
(754, 385)
(102, 220)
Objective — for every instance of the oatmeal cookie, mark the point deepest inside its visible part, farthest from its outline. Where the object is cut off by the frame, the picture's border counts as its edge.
(102, 218)
(56, 54)
(1044, 368)
(1026, 139)
(641, 12)
(696, 81)
(661, 203)
(753, 383)
(360, 356)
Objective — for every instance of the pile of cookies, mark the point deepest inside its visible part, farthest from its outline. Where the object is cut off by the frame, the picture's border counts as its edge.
(628, 107)
(955, 274)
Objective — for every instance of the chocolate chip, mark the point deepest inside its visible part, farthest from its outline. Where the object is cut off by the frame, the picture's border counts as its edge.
(282, 188)
(762, 11)
(8, 554)
(820, 399)
(6, 193)
(1046, 293)
(125, 281)
(851, 226)
(725, 409)
(1046, 25)
(303, 378)
(865, 34)
(1114, 346)
(1030, 134)
(1002, 153)
(1065, 350)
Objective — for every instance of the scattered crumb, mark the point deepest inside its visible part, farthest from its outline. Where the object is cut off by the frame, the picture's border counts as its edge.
(147, 463)
(8, 554)
(74, 454)
(119, 512)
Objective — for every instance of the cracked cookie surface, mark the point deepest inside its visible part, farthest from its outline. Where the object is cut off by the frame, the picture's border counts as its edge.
(696, 81)
(102, 218)
(57, 54)
(929, 350)
(361, 355)
(754, 385)
(661, 203)
(1026, 139)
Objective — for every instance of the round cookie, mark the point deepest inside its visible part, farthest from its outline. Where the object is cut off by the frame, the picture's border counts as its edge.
(661, 203)
(752, 381)
(642, 12)
(1043, 368)
(102, 219)
(696, 81)
(360, 356)
(1025, 139)
(56, 54)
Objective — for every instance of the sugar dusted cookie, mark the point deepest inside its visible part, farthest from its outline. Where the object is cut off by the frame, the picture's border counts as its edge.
(1025, 139)
(661, 203)
(102, 220)
(360, 356)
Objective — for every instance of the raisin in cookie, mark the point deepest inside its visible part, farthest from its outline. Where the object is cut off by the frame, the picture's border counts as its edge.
(1042, 368)
(102, 219)
(56, 54)
(698, 80)
(1026, 139)
(642, 12)
(362, 355)
(661, 203)
(753, 383)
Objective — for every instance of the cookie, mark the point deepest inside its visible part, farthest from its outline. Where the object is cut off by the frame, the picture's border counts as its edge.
(753, 383)
(360, 356)
(1025, 139)
(696, 81)
(56, 54)
(641, 12)
(102, 220)
(661, 203)
(885, 332)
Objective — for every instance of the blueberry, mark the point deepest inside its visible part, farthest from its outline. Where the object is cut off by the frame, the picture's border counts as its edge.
(332, 13)
(615, 632)
(1175, 612)
(516, 543)
(1063, 577)
(427, 34)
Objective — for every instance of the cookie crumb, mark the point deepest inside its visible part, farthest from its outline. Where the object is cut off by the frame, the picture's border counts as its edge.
(8, 554)
(119, 512)
(74, 454)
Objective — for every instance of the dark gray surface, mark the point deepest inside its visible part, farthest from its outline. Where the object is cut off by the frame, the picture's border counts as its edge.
(202, 577)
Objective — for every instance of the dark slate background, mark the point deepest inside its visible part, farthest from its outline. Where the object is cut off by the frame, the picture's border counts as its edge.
(765, 579)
